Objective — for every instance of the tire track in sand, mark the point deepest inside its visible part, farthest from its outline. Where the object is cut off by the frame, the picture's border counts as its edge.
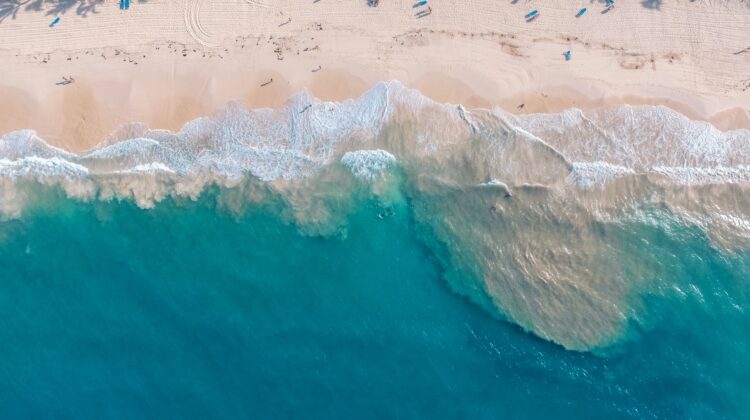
(259, 3)
(193, 24)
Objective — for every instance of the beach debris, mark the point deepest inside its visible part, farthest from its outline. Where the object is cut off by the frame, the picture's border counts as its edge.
(317, 69)
(567, 55)
(581, 12)
(267, 83)
(531, 15)
(520, 106)
(55, 22)
(286, 23)
(66, 81)
(419, 4)
(746, 50)
(373, 3)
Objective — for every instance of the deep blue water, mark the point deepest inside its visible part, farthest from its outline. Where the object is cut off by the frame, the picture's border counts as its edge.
(189, 311)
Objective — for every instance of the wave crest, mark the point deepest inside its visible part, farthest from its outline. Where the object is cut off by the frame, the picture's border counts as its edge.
(553, 256)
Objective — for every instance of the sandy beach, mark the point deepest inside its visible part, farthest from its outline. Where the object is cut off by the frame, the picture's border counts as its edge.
(164, 63)
(475, 219)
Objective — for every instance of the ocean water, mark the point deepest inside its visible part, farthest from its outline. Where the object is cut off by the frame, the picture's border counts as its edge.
(385, 257)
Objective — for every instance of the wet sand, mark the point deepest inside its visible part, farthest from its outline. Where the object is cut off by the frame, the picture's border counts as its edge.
(167, 64)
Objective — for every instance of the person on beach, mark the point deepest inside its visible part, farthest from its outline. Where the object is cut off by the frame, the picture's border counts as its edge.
(424, 13)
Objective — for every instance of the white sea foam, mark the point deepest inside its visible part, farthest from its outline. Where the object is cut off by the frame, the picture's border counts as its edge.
(548, 257)
(704, 176)
(639, 138)
(25, 143)
(368, 164)
(592, 174)
(153, 167)
(41, 168)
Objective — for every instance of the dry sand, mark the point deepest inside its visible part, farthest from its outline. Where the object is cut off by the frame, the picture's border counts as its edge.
(166, 62)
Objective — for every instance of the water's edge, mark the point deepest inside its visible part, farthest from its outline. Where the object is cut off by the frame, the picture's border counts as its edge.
(543, 218)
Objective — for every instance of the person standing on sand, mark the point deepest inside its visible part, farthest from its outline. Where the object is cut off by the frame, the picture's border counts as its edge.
(424, 13)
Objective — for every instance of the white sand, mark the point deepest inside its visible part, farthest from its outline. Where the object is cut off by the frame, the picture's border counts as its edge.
(165, 62)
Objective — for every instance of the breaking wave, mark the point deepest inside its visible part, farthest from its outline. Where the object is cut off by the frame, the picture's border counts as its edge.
(537, 210)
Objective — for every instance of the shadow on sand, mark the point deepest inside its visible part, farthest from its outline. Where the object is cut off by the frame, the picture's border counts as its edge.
(652, 4)
(648, 4)
(11, 8)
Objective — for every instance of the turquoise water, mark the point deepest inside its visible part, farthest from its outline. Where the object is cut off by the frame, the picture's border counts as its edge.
(190, 310)
(383, 257)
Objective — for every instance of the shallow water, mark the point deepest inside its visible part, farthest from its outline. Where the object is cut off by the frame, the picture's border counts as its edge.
(384, 257)
(190, 311)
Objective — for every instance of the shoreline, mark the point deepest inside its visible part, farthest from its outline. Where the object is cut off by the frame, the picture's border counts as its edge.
(85, 114)
(337, 52)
